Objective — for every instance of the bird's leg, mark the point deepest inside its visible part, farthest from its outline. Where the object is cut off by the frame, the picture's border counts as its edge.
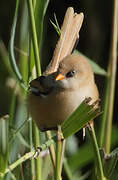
(37, 152)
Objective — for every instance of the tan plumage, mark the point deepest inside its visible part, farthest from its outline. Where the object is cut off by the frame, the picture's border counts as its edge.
(67, 81)
(69, 34)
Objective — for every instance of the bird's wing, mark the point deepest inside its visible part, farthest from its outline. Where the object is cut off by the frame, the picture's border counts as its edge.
(69, 34)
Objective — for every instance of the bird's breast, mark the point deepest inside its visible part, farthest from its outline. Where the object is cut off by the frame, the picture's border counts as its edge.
(56, 107)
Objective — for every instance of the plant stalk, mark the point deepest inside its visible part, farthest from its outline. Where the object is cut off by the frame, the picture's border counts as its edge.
(51, 149)
(58, 154)
(31, 147)
(34, 37)
(38, 163)
(28, 156)
(38, 71)
(11, 50)
(100, 173)
(112, 78)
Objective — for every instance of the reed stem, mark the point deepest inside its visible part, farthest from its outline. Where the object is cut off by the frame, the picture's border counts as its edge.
(112, 78)
(100, 173)
(58, 155)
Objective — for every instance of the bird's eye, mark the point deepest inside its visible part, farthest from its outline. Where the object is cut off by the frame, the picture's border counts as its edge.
(70, 74)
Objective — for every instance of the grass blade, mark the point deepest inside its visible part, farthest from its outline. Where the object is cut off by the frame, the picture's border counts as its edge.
(11, 49)
(96, 68)
(40, 10)
(112, 77)
(34, 36)
(79, 118)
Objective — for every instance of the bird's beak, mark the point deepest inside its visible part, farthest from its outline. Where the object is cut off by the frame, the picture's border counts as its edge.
(60, 77)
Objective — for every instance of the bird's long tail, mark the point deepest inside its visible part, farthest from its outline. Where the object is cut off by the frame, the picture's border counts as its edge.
(69, 34)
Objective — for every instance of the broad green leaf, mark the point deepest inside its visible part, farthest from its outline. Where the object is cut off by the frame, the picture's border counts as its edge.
(83, 157)
(79, 118)
(96, 68)
(85, 154)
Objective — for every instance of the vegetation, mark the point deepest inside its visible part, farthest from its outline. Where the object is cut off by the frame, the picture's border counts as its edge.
(96, 156)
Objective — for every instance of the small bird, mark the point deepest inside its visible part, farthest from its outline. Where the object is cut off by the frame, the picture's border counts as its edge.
(67, 81)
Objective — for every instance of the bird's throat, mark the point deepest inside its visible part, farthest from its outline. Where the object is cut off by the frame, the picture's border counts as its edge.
(38, 92)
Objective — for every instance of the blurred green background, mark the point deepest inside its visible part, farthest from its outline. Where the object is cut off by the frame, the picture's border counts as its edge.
(94, 42)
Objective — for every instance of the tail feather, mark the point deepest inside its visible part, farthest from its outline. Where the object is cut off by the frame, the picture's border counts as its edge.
(69, 34)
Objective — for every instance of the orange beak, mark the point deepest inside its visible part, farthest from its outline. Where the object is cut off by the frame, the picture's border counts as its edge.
(60, 77)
